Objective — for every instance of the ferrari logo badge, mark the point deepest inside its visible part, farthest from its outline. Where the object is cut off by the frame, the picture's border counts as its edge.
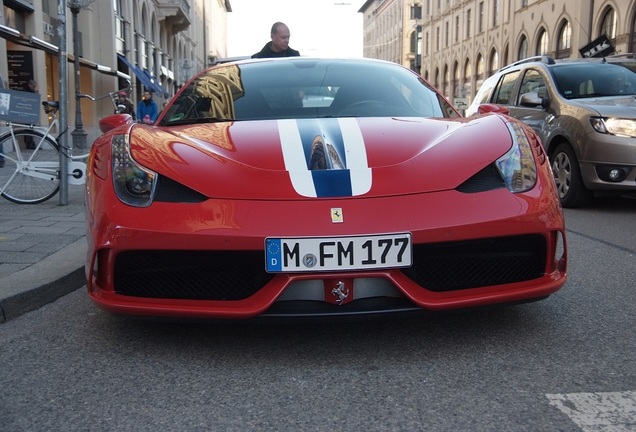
(340, 292)
(336, 215)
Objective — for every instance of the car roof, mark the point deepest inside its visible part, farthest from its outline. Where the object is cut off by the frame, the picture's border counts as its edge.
(548, 61)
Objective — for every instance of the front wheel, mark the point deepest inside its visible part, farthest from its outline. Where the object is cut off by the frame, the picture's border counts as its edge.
(567, 175)
(29, 166)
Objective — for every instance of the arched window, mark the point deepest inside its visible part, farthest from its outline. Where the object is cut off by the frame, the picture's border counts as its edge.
(445, 92)
(479, 79)
(455, 84)
(493, 64)
(523, 48)
(564, 41)
(468, 75)
(436, 83)
(542, 42)
(632, 39)
(608, 24)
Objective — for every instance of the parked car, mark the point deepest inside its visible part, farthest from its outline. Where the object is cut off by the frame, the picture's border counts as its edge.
(244, 200)
(584, 111)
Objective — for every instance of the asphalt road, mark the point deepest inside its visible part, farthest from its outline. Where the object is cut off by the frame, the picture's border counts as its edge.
(566, 363)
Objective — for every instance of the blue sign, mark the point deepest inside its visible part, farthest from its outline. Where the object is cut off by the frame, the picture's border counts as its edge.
(19, 106)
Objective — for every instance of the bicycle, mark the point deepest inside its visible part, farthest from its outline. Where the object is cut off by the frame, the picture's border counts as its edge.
(30, 159)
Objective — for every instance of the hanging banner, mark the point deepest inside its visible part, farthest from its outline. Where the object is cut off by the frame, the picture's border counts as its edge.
(599, 47)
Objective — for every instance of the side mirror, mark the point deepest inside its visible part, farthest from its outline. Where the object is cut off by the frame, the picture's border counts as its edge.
(492, 108)
(112, 121)
(533, 100)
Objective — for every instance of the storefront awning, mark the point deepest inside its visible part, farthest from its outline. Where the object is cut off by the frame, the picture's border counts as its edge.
(144, 76)
(158, 87)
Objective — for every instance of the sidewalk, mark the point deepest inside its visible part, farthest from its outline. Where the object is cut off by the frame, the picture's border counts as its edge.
(42, 252)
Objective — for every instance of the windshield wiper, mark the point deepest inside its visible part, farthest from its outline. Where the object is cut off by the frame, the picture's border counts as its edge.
(199, 120)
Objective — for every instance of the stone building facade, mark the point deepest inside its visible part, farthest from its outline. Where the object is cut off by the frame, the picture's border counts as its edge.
(456, 44)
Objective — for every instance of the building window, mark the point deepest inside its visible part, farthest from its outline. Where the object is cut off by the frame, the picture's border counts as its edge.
(608, 25)
(564, 42)
(524, 3)
(446, 81)
(457, 29)
(447, 33)
(437, 39)
(428, 41)
(542, 42)
(523, 48)
(493, 65)
(495, 13)
(480, 22)
(120, 28)
(468, 23)
(480, 71)
(416, 12)
(456, 88)
(632, 41)
(468, 73)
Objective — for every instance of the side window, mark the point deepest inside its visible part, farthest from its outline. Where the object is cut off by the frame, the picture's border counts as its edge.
(533, 82)
(504, 89)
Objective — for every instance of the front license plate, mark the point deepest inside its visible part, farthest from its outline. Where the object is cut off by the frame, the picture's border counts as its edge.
(338, 253)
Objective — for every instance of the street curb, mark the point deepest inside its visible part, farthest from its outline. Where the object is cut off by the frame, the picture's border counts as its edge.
(46, 281)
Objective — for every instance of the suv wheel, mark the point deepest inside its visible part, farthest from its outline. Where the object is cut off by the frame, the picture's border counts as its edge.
(567, 175)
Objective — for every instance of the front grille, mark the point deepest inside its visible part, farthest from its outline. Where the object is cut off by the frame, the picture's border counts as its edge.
(196, 275)
(478, 263)
(236, 275)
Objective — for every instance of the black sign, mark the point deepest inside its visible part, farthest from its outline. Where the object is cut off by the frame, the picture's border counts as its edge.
(20, 65)
(19, 106)
(600, 47)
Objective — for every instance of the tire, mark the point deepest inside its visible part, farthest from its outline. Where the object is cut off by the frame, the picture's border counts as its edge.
(567, 176)
(30, 174)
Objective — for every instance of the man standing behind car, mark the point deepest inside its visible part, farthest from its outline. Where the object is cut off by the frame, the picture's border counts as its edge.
(147, 110)
(279, 45)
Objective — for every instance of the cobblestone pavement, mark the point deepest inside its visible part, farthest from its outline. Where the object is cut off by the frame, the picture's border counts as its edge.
(42, 248)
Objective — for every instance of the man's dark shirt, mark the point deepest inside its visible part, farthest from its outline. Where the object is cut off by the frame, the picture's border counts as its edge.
(267, 52)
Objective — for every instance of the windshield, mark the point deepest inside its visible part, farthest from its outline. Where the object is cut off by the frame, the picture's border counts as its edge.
(305, 88)
(584, 80)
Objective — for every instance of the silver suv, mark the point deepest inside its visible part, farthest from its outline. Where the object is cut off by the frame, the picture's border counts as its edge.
(584, 110)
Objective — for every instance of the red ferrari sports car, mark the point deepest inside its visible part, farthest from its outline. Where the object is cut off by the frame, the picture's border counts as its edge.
(319, 187)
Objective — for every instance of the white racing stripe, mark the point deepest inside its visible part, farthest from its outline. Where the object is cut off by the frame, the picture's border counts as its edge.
(356, 156)
(595, 412)
(294, 158)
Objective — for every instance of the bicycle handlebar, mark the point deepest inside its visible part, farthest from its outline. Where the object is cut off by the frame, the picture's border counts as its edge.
(110, 94)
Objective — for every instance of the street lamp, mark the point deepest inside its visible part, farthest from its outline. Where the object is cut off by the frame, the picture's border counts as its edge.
(79, 134)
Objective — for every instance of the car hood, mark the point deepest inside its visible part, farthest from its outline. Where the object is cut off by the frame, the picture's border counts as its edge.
(304, 158)
(619, 106)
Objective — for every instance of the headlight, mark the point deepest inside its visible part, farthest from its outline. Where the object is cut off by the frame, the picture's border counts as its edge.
(517, 166)
(134, 184)
(614, 126)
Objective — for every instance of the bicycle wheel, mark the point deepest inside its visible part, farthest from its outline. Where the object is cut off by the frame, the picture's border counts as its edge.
(30, 173)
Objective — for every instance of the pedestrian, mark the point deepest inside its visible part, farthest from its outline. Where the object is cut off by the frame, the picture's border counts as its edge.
(279, 45)
(147, 109)
(32, 87)
(125, 105)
